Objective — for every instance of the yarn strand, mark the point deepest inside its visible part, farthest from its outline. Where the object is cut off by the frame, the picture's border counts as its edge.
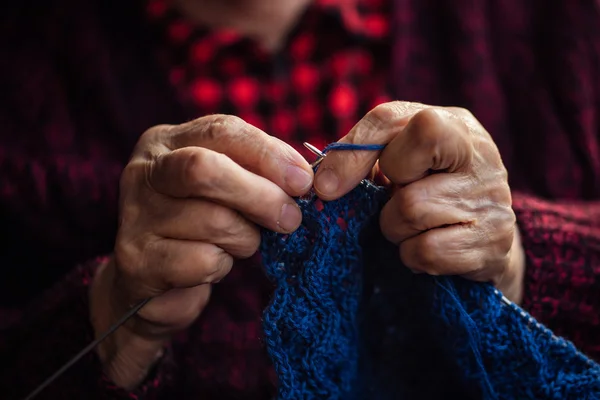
(351, 146)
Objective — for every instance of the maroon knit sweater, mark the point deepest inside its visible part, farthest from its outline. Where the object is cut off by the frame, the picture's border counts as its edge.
(81, 80)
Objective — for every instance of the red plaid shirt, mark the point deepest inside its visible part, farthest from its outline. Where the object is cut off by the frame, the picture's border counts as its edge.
(333, 70)
(82, 79)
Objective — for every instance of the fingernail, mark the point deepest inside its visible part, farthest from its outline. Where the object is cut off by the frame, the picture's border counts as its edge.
(298, 179)
(327, 182)
(290, 217)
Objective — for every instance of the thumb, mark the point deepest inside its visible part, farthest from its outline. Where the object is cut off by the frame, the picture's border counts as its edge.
(341, 171)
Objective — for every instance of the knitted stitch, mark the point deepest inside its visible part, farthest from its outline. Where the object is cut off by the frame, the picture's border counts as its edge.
(347, 320)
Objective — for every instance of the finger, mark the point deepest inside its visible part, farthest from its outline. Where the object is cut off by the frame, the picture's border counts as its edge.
(248, 146)
(457, 250)
(435, 201)
(199, 220)
(196, 172)
(434, 140)
(341, 171)
(378, 177)
(158, 320)
(165, 264)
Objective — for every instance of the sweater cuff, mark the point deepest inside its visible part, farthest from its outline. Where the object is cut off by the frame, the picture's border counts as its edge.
(150, 388)
(562, 250)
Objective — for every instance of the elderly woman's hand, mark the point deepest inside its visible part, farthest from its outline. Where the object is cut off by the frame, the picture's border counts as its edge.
(193, 197)
(451, 209)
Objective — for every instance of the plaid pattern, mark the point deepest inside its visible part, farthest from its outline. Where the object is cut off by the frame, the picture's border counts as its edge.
(333, 70)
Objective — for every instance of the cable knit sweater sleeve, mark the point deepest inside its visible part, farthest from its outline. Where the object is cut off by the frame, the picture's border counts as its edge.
(562, 282)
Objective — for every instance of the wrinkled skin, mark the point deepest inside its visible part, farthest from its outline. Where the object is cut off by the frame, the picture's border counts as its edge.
(451, 210)
(193, 197)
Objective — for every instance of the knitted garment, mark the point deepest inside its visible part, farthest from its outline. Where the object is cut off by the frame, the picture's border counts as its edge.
(348, 321)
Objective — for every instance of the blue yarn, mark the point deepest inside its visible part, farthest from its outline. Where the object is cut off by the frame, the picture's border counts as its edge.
(348, 321)
(350, 146)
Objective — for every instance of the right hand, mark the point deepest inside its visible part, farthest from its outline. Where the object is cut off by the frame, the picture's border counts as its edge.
(192, 197)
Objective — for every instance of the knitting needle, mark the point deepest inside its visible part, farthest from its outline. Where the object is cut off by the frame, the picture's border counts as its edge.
(88, 348)
(316, 152)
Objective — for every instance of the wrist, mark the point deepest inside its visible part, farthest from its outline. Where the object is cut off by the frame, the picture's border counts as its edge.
(126, 357)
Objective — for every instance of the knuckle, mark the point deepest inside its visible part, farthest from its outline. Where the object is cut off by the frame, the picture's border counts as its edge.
(225, 222)
(382, 114)
(386, 115)
(467, 122)
(427, 130)
(500, 194)
(222, 219)
(379, 118)
(468, 117)
(127, 255)
(158, 136)
(188, 312)
(253, 244)
(217, 266)
(500, 170)
(130, 176)
(237, 225)
(202, 131)
(461, 112)
(511, 218)
(420, 253)
(158, 130)
(393, 110)
(249, 244)
(410, 202)
(137, 175)
(143, 261)
(427, 123)
(155, 133)
(220, 126)
(197, 169)
(195, 164)
(427, 250)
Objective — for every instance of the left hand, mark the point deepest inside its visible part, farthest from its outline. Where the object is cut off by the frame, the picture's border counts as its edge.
(451, 209)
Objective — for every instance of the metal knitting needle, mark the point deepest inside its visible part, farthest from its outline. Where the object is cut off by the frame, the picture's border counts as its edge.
(316, 152)
(88, 348)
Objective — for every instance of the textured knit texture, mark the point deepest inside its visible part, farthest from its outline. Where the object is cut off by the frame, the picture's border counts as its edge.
(311, 323)
(326, 343)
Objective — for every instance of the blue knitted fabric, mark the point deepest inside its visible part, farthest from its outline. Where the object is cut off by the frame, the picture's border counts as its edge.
(348, 321)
